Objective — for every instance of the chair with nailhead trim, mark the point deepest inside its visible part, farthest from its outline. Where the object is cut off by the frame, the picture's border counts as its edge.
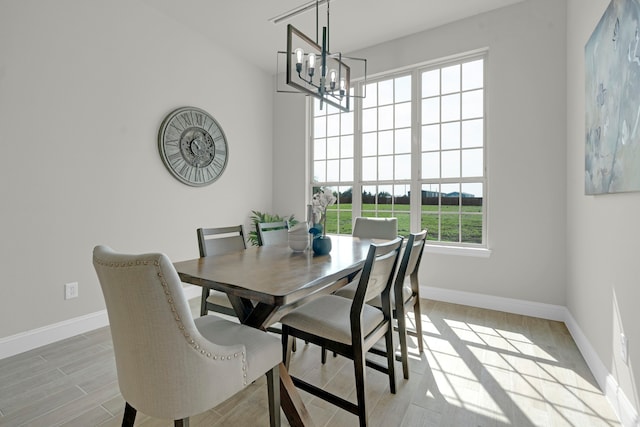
(169, 365)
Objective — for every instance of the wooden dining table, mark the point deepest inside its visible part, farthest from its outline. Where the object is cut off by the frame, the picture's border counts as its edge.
(263, 283)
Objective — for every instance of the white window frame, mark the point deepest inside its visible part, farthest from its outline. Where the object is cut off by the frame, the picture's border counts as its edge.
(416, 181)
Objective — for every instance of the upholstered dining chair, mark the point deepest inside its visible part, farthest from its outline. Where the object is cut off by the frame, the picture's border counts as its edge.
(216, 241)
(350, 327)
(170, 366)
(271, 233)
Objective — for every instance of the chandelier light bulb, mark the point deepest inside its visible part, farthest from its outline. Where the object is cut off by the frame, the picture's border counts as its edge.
(333, 76)
(299, 57)
(312, 63)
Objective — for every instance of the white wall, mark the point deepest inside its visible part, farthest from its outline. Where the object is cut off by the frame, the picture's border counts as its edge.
(525, 146)
(84, 86)
(603, 283)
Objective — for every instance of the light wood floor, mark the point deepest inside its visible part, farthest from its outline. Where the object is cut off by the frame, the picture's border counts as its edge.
(480, 368)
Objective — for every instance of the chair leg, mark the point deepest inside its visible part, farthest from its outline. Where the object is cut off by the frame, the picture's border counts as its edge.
(203, 301)
(287, 344)
(360, 374)
(129, 417)
(323, 357)
(391, 356)
(273, 388)
(402, 334)
(181, 423)
(417, 312)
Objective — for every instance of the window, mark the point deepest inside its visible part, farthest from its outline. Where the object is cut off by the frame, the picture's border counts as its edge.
(413, 148)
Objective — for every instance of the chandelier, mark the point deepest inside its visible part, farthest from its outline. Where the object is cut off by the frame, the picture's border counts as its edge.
(312, 69)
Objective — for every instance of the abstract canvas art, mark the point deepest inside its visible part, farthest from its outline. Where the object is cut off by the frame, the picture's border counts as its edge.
(612, 66)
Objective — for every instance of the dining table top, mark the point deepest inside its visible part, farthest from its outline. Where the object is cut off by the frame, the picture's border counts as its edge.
(276, 275)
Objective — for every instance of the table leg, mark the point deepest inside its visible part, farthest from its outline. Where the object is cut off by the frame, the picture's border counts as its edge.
(291, 403)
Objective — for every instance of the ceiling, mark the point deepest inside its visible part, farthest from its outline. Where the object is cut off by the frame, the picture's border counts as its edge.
(244, 26)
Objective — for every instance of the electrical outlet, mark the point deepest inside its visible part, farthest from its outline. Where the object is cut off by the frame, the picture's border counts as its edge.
(624, 348)
(71, 290)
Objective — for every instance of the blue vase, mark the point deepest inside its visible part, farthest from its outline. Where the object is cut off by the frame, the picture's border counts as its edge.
(321, 245)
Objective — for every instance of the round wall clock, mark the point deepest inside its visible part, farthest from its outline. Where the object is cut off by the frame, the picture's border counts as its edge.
(193, 146)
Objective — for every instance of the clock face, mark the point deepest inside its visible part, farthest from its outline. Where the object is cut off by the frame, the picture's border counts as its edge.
(193, 146)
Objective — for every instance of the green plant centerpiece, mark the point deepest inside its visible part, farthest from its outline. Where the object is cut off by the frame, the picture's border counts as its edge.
(259, 217)
(321, 200)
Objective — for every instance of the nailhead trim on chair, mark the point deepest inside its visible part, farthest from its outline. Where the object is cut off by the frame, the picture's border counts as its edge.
(181, 326)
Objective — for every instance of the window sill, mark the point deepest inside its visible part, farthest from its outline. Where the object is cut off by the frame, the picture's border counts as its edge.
(458, 250)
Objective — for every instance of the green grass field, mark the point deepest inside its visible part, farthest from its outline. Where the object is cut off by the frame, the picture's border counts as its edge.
(468, 221)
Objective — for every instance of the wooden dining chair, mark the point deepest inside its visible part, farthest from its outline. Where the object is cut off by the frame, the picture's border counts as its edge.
(375, 228)
(271, 233)
(216, 241)
(350, 327)
(169, 365)
(405, 295)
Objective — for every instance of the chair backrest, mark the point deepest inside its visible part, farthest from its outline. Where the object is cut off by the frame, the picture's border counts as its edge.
(166, 368)
(271, 233)
(375, 228)
(220, 240)
(410, 262)
(377, 274)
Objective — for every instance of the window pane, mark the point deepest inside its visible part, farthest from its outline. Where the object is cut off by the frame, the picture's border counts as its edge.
(346, 123)
(451, 135)
(385, 92)
(333, 148)
(333, 170)
(385, 117)
(472, 75)
(320, 149)
(320, 127)
(472, 133)
(319, 171)
(403, 141)
(451, 79)
(403, 115)
(369, 168)
(333, 125)
(403, 89)
(471, 228)
(472, 106)
(370, 120)
(430, 137)
(430, 165)
(385, 142)
(450, 228)
(430, 110)
(371, 99)
(385, 167)
(431, 83)
(403, 166)
(451, 164)
(370, 144)
(368, 197)
(346, 170)
(450, 107)
(472, 163)
(346, 146)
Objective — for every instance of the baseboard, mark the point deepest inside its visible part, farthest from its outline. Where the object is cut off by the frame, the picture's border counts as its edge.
(25, 341)
(509, 305)
(620, 403)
